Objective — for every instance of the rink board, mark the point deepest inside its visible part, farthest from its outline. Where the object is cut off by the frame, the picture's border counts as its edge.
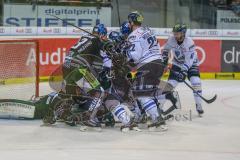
(220, 76)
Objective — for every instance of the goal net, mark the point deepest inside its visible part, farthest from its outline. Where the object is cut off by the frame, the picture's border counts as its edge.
(19, 69)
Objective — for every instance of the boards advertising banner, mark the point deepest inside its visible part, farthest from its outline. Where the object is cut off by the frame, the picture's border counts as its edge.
(230, 58)
(27, 15)
(53, 51)
(227, 19)
(209, 54)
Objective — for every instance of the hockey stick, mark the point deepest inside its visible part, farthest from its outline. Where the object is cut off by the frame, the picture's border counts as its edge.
(72, 25)
(118, 12)
(206, 100)
(75, 27)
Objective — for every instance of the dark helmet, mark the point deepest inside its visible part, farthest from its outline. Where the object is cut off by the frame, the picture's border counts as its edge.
(135, 17)
(180, 27)
(100, 29)
(115, 36)
(125, 28)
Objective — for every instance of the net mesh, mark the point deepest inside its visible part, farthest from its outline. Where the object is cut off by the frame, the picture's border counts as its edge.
(18, 69)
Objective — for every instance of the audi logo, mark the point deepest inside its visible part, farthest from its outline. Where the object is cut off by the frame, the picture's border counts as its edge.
(2, 30)
(213, 33)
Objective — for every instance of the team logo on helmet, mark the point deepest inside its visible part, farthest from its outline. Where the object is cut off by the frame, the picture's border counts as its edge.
(115, 36)
(100, 29)
(135, 17)
(180, 28)
(125, 28)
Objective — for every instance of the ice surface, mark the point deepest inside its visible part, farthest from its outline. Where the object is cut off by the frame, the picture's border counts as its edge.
(216, 136)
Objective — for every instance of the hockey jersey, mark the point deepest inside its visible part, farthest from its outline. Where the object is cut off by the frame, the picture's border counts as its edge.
(184, 55)
(144, 46)
(87, 51)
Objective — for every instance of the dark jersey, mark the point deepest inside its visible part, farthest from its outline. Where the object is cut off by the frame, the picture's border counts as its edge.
(85, 52)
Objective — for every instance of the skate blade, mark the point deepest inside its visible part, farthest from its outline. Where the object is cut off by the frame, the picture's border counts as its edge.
(83, 128)
(125, 130)
(136, 129)
(161, 128)
(47, 125)
(200, 113)
(86, 128)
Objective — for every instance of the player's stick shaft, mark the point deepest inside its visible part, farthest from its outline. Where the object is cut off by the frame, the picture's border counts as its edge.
(72, 25)
(206, 100)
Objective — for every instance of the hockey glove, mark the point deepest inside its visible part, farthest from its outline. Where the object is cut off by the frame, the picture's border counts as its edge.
(181, 76)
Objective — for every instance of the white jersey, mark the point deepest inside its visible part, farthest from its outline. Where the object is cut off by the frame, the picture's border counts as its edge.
(144, 46)
(184, 55)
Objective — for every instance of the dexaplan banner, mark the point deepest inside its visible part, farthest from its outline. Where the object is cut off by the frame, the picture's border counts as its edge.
(30, 15)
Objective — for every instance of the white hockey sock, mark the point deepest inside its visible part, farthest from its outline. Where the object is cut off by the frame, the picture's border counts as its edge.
(150, 107)
(196, 84)
(161, 99)
(136, 112)
(120, 112)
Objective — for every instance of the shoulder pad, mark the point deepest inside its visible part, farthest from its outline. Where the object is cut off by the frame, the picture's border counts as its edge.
(189, 43)
(171, 39)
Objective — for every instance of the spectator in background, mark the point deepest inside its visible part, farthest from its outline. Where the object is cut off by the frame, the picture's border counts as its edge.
(217, 3)
(235, 6)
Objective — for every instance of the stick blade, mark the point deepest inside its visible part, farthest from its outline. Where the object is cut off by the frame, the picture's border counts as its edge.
(211, 100)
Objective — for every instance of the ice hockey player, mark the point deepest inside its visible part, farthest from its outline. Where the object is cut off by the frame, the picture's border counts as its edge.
(119, 89)
(166, 90)
(144, 55)
(91, 50)
(59, 107)
(80, 70)
(185, 61)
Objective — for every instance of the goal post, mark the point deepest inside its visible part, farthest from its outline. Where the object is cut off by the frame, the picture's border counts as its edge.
(19, 69)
